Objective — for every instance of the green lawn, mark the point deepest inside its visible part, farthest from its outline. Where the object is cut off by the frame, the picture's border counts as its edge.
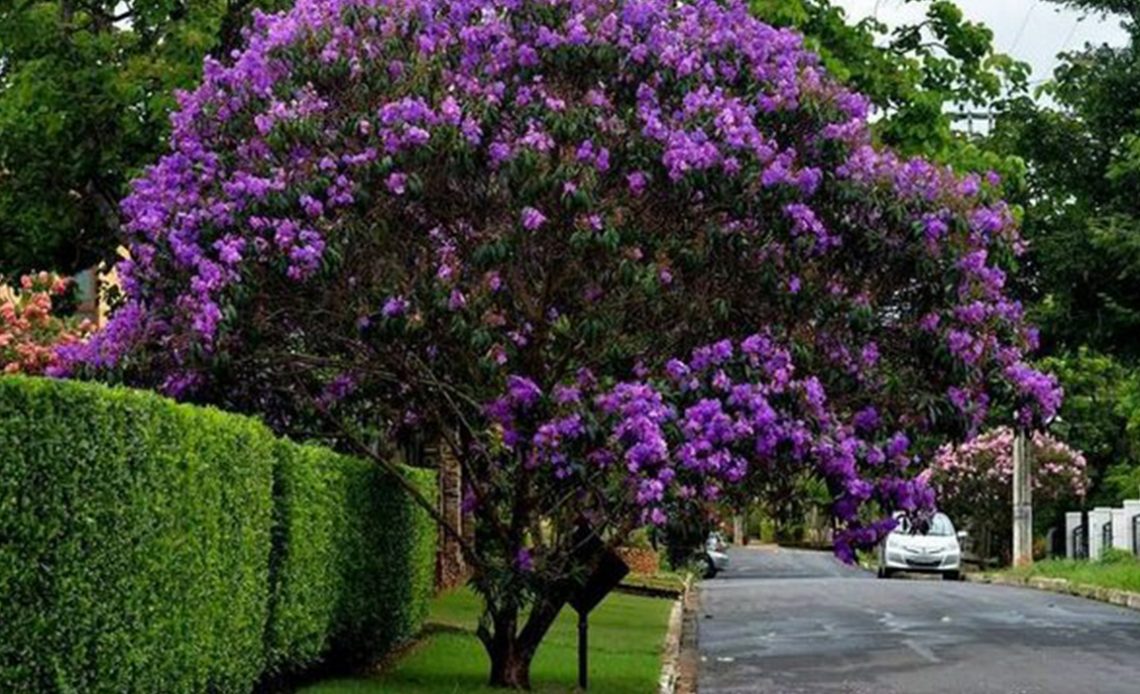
(1120, 572)
(626, 637)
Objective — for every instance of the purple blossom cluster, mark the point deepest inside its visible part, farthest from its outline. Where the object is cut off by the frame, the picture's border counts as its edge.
(704, 424)
(534, 168)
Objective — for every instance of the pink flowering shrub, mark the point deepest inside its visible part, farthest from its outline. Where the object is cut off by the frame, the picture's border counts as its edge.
(974, 480)
(621, 256)
(30, 331)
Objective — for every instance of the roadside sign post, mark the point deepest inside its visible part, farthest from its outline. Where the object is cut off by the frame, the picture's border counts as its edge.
(583, 640)
(608, 574)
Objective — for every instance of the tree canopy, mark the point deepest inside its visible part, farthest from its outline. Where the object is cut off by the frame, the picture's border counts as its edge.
(86, 88)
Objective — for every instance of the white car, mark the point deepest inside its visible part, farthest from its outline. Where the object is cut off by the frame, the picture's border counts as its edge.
(934, 549)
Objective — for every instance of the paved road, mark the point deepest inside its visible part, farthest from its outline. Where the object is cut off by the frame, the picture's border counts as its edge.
(786, 621)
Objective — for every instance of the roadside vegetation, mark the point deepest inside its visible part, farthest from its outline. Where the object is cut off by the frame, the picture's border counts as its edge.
(1118, 569)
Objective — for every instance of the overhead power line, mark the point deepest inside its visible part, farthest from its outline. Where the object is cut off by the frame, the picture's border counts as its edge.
(1024, 25)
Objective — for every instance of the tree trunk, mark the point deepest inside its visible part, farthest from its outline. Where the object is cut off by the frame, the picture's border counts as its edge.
(510, 665)
(511, 650)
(451, 567)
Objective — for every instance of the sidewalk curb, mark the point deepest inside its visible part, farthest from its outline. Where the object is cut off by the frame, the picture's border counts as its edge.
(684, 673)
(671, 656)
(1112, 596)
(673, 676)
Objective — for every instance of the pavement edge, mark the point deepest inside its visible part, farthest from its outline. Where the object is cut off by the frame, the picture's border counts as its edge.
(1112, 596)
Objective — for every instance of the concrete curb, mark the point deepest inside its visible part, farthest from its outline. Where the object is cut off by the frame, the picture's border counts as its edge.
(671, 657)
(1121, 598)
(671, 666)
(689, 660)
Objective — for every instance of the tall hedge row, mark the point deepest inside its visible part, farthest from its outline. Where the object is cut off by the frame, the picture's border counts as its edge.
(341, 528)
(147, 546)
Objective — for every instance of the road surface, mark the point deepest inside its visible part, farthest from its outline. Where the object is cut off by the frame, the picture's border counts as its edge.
(788, 621)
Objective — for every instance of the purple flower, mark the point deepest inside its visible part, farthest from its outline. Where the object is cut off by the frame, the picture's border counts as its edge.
(394, 307)
(532, 219)
(567, 395)
(523, 392)
(524, 560)
(397, 183)
(637, 183)
(867, 419)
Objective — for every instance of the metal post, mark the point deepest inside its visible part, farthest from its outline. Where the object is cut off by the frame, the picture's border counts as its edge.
(1022, 501)
(583, 627)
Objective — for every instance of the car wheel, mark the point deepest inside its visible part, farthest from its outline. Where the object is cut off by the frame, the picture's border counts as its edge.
(952, 576)
(884, 572)
(710, 568)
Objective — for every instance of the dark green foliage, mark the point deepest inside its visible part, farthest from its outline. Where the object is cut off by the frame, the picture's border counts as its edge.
(1082, 216)
(137, 548)
(1099, 402)
(85, 94)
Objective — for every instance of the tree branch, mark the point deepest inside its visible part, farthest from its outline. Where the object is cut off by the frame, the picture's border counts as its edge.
(394, 470)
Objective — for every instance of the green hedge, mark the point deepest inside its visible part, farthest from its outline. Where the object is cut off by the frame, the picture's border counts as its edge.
(355, 566)
(147, 546)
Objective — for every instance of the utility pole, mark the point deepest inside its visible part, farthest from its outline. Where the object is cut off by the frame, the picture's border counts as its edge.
(1022, 501)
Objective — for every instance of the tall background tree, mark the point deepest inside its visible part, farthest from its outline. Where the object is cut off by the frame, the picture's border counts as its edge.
(1079, 136)
(86, 87)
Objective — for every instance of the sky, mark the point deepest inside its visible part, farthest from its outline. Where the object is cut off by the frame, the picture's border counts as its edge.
(1031, 30)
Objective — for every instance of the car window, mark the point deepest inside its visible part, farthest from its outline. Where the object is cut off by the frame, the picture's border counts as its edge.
(939, 526)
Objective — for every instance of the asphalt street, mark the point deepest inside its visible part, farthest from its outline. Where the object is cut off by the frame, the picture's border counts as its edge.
(790, 621)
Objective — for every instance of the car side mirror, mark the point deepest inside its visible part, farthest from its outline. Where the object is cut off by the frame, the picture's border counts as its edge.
(962, 534)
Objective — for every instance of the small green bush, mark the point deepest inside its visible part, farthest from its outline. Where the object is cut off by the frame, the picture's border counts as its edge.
(1115, 555)
(147, 546)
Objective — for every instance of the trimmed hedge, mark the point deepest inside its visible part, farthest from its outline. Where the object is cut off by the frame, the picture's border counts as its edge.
(355, 569)
(149, 546)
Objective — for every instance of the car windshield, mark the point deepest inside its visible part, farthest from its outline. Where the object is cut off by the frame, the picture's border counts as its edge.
(939, 526)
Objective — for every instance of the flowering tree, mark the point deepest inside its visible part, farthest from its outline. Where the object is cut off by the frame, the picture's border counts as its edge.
(29, 330)
(620, 256)
(974, 480)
